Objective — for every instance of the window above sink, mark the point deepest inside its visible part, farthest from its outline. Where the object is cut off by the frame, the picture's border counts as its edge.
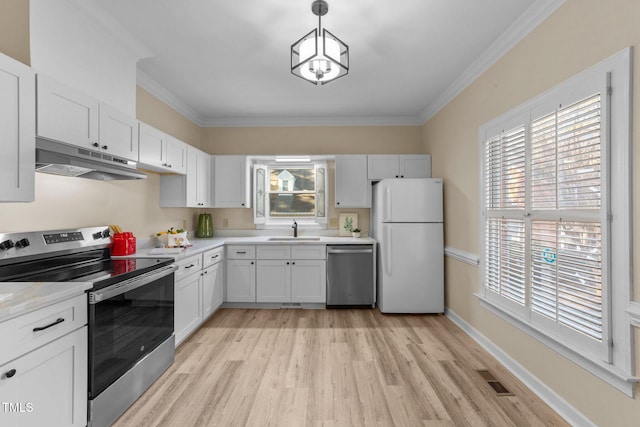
(284, 192)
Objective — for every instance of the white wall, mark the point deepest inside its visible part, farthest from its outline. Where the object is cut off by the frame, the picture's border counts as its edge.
(71, 45)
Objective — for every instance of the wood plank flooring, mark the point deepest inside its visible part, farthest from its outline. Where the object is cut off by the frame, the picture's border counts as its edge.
(332, 368)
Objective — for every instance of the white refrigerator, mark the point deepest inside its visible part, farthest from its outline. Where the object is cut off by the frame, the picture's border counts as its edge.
(407, 224)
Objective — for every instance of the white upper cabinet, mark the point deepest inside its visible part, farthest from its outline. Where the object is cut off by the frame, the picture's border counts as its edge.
(118, 134)
(17, 131)
(383, 166)
(160, 152)
(191, 190)
(70, 116)
(353, 189)
(231, 182)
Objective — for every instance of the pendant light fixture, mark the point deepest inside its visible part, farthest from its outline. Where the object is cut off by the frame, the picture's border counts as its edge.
(319, 57)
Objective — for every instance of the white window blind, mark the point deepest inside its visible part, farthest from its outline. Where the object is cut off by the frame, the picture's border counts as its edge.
(556, 219)
(543, 221)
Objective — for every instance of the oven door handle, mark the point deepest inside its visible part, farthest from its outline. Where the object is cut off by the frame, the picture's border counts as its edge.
(131, 284)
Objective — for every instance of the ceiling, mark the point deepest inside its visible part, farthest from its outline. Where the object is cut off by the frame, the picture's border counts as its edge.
(227, 63)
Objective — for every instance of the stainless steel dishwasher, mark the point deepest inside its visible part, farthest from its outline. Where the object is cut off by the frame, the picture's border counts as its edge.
(350, 276)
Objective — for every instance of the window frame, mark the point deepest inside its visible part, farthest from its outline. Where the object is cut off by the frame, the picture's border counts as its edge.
(282, 222)
(617, 367)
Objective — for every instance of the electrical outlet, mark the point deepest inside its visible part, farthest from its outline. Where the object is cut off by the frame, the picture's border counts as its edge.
(333, 222)
(225, 222)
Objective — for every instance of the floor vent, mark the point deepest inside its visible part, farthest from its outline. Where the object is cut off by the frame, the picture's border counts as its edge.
(291, 305)
(496, 385)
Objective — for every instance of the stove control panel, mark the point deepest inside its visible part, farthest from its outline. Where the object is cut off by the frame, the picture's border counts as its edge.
(63, 237)
(37, 243)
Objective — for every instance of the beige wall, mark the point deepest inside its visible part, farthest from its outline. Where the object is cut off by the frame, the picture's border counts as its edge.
(308, 140)
(14, 29)
(579, 34)
(156, 113)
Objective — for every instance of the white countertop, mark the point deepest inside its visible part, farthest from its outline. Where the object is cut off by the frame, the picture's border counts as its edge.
(203, 245)
(17, 298)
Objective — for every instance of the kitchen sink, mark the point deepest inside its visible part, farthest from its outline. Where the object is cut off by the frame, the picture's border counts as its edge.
(293, 239)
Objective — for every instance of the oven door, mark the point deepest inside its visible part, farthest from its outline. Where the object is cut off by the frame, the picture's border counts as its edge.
(127, 321)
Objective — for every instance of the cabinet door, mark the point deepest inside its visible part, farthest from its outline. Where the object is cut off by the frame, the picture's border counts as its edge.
(308, 281)
(241, 281)
(415, 166)
(66, 115)
(273, 281)
(17, 131)
(152, 144)
(118, 133)
(48, 385)
(211, 290)
(218, 287)
(197, 182)
(188, 312)
(381, 166)
(231, 182)
(352, 184)
(176, 155)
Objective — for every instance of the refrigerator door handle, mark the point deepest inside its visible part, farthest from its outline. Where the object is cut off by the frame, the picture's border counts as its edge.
(388, 254)
(387, 204)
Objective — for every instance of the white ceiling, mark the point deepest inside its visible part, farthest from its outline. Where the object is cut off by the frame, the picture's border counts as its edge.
(227, 63)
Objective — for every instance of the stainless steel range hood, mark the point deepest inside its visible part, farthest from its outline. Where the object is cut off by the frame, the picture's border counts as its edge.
(62, 159)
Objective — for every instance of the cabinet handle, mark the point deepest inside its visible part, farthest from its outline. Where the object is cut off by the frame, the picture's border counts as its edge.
(401, 176)
(287, 263)
(293, 263)
(337, 203)
(10, 373)
(215, 256)
(251, 262)
(241, 252)
(42, 328)
(243, 204)
(104, 147)
(189, 266)
(397, 176)
(95, 144)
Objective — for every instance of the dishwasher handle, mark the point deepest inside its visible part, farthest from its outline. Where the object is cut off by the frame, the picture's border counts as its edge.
(349, 251)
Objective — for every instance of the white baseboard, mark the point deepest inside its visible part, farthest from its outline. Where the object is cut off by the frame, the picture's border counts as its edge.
(551, 398)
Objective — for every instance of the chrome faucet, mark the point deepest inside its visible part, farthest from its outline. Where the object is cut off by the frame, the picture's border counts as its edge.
(295, 228)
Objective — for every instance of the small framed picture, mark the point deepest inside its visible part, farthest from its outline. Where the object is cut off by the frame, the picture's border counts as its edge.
(347, 222)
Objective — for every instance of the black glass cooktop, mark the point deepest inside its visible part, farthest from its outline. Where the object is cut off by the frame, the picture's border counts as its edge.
(89, 266)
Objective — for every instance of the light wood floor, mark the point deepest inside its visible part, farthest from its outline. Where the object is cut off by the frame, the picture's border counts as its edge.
(295, 367)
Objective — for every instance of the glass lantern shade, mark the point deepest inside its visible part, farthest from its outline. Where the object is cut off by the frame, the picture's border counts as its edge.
(319, 60)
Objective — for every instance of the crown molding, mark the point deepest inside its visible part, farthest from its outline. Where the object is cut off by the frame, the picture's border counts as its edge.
(312, 121)
(156, 89)
(527, 22)
(98, 15)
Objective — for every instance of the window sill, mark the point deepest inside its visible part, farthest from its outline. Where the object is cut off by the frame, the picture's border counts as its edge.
(606, 372)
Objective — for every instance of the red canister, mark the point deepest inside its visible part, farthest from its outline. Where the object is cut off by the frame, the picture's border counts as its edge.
(131, 242)
(120, 245)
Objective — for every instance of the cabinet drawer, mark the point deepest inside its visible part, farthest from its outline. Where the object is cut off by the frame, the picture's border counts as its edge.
(19, 336)
(308, 252)
(241, 252)
(273, 252)
(212, 256)
(188, 266)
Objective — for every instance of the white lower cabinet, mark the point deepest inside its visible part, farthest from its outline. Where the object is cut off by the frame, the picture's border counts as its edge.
(187, 313)
(291, 274)
(199, 291)
(309, 281)
(212, 282)
(273, 281)
(241, 280)
(47, 384)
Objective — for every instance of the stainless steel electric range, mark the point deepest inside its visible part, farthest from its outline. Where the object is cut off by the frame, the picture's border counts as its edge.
(131, 304)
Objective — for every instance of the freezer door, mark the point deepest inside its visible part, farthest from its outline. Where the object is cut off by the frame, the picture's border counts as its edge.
(411, 268)
(409, 200)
